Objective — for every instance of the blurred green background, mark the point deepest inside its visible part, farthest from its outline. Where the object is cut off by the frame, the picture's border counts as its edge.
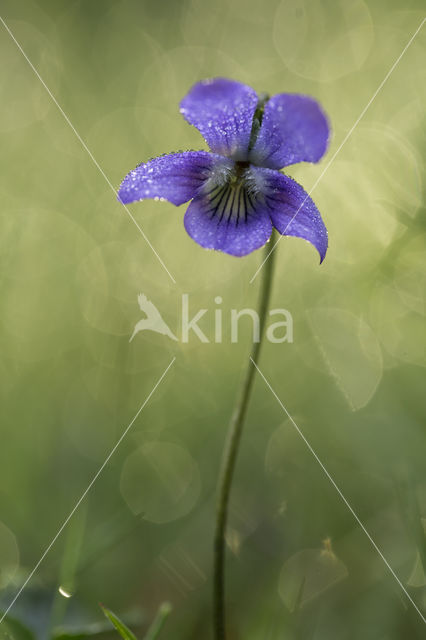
(72, 263)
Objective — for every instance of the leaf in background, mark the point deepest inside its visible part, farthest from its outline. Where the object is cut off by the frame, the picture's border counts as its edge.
(90, 632)
(12, 629)
(309, 573)
(9, 555)
(417, 576)
(351, 352)
(159, 621)
(124, 631)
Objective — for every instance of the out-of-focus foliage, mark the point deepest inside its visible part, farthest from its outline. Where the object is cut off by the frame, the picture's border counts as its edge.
(72, 263)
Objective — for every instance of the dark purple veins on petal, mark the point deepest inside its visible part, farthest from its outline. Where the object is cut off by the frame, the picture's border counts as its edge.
(228, 216)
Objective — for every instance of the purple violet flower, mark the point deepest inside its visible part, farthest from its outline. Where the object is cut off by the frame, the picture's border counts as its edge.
(236, 190)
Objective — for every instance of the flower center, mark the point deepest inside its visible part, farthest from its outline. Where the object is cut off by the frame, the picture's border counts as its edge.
(231, 196)
(240, 168)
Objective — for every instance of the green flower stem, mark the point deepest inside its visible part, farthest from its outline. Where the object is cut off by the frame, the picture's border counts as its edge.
(231, 451)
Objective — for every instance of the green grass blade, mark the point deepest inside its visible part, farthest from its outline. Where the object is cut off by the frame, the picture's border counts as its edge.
(157, 625)
(122, 629)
